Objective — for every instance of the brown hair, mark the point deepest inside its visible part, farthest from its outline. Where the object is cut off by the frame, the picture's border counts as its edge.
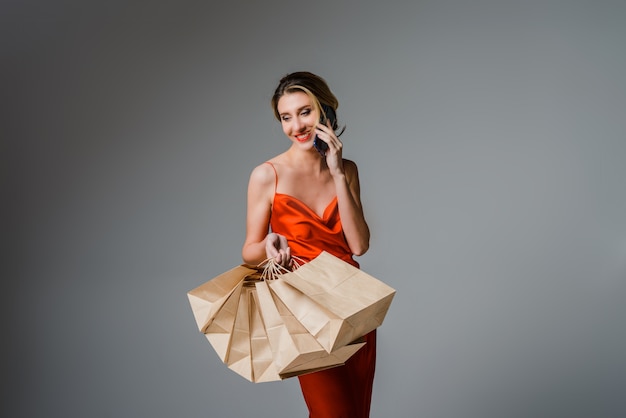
(312, 85)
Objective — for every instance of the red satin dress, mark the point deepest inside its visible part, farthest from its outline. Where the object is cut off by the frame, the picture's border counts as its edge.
(344, 391)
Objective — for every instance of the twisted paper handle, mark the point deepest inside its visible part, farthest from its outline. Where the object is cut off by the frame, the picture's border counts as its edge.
(271, 269)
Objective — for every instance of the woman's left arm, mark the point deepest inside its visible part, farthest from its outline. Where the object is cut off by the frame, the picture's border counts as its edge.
(355, 227)
(346, 177)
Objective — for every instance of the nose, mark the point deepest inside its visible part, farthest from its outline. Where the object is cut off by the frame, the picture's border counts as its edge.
(298, 124)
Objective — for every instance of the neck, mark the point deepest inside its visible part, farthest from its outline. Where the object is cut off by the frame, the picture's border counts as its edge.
(306, 158)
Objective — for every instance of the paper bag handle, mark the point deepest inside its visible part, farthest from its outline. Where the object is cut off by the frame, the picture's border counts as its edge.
(271, 269)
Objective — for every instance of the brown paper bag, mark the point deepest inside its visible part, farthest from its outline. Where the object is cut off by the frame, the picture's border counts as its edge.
(227, 313)
(249, 353)
(294, 350)
(207, 299)
(350, 303)
(220, 329)
(266, 329)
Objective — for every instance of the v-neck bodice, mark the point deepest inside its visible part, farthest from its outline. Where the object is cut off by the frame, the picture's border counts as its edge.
(307, 233)
(307, 208)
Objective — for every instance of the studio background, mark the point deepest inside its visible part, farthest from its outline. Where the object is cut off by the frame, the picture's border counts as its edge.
(491, 142)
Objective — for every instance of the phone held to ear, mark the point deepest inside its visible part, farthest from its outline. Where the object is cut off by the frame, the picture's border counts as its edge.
(331, 116)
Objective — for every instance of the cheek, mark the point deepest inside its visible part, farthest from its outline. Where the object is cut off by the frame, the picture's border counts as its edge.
(313, 120)
(285, 127)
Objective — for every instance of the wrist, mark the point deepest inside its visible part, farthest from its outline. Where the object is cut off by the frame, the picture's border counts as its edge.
(340, 179)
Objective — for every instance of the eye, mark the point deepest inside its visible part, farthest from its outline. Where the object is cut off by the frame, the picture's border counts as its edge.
(285, 118)
(306, 112)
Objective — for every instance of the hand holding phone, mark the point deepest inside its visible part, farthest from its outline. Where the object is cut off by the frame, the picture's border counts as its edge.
(331, 116)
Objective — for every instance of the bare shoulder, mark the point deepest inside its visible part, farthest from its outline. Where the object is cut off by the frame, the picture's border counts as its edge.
(262, 175)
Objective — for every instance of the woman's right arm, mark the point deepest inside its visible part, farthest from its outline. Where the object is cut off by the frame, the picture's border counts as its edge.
(259, 245)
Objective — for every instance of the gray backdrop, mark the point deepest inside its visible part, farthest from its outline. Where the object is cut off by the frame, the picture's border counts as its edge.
(490, 137)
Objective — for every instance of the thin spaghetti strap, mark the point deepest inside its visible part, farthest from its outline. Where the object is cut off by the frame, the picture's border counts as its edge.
(275, 174)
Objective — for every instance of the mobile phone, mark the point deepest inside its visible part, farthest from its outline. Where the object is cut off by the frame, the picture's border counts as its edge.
(320, 145)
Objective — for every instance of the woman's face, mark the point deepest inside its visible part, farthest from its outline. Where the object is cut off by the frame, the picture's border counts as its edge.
(298, 117)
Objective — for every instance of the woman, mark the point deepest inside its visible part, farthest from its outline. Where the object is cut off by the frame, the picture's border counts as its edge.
(303, 202)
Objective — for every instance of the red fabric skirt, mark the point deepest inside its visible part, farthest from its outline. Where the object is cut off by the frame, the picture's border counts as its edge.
(344, 391)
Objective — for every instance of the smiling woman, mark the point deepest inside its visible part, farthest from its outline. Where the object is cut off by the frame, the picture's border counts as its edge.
(297, 116)
(303, 202)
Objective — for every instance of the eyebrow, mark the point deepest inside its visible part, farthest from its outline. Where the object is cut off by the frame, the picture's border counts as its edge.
(298, 110)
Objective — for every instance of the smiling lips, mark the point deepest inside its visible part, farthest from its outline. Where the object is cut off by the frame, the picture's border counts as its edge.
(303, 138)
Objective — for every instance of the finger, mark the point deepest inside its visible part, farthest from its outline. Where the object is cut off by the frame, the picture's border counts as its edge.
(328, 135)
(271, 251)
(271, 248)
(284, 259)
(324, 131)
